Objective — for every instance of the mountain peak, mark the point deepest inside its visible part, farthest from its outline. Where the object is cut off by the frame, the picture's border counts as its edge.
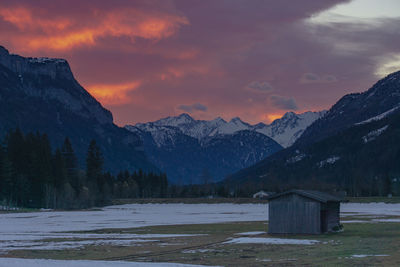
(54, 67)
(236, 120)
(3, 50)
(185, 116)
(219, 120)
(48, 74)
(289, 115)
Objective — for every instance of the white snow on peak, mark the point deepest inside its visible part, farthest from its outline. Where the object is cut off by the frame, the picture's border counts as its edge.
(45, 60)
(379, 117)
(175, 121)
(290, 127)
(233, 126)
(284, 131)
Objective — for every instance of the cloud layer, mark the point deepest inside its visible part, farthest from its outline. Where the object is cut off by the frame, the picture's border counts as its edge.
(192, 108)
(252, 59)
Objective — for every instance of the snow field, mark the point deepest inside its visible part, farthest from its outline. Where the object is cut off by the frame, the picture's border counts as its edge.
(52, 229)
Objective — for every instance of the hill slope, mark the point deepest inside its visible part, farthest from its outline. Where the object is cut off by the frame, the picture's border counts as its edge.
(353, 149)
(353, 108)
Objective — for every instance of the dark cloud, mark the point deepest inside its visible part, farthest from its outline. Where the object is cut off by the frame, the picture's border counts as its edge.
(283, 102)
(260, 86)
(193, 107)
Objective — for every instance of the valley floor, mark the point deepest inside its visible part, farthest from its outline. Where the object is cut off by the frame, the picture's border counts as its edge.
(201, 234)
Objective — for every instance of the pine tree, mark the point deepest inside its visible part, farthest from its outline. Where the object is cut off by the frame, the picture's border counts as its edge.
(94, 171)
(6, 173)
(71, 164)
(60, 177)
(94, 162)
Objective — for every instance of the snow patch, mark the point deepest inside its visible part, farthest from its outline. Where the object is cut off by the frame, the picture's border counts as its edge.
(43, 60)
(62, 245)
(374, 134)
(364, 255)
(296, 158)
(271, 241)
(193, 251)
(252, 233)
(379, 117)
(330, 160)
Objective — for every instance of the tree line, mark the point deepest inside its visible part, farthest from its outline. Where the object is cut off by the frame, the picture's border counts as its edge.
(34, 175)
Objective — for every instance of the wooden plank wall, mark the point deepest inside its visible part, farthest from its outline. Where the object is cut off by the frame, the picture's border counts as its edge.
(293, 214)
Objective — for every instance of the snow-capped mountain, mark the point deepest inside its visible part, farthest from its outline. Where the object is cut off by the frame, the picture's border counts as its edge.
(290, 127)
(185, 148)
(284, 131)
(186, 159)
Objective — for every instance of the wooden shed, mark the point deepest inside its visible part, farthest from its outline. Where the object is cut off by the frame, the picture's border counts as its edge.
(303, 212)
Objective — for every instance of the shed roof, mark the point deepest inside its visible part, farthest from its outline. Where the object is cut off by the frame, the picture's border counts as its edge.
(316, 195)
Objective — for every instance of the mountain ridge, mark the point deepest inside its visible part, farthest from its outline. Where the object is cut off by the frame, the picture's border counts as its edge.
(354, 143)
(284, 130)
(354, 108)
(185, 148)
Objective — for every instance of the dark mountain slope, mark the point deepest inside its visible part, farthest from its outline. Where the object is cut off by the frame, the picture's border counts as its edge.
(188, 160)
(353, 108)
(41, 94)
(361, 158)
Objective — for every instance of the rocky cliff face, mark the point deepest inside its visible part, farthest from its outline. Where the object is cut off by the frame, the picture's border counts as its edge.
(48, 78)
(41, 94)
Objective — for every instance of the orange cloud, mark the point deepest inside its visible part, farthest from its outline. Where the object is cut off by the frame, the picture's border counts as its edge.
(63, 42)
(272, 117)
(113, 94)
(23, 19)
(36, 31)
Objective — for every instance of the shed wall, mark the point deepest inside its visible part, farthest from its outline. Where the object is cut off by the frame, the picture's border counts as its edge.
(333, 213)
(294, 214)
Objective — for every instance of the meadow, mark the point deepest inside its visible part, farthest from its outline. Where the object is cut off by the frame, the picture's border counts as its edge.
(222, 234)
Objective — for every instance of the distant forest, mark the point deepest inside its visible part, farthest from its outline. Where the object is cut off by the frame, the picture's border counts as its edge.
(34, 175)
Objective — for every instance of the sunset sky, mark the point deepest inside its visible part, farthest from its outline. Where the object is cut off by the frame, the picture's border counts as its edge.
(255, 59)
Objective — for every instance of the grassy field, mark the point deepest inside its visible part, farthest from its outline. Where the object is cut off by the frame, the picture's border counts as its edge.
(334, 249)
